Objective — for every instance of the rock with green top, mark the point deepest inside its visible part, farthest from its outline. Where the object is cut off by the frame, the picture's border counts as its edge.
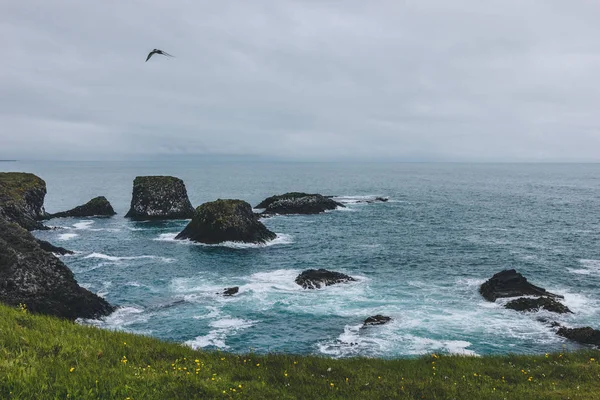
(226, 221)
(97, 207)
(298, 203)
(159, 197)
(22, 199)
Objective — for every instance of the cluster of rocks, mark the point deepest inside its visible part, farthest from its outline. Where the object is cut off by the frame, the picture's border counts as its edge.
(510, 283)
(298, 203)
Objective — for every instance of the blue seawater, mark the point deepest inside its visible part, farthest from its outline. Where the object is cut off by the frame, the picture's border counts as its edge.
(418, 258)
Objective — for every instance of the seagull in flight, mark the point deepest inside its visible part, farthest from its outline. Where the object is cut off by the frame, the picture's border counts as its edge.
(157, 51)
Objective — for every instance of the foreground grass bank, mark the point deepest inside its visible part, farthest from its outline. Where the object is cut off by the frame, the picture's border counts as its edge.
(46, 358)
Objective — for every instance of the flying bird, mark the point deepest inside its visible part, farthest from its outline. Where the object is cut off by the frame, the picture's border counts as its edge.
(157, 51)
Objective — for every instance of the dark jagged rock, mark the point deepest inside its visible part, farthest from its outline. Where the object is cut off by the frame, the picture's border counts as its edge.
(510, 283)
(585, 335)
(159, 197)
(317, 278)
(226, 220)
(97, 207)
(376, 320)
(298, 203)
(530, 304)
(38, 279)
(22, 199)
(230, 291)
(49, 247)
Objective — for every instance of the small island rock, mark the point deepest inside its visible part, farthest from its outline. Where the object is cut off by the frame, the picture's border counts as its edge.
(318, 278)
(22, 199)
(97, 207)
(586, 335)
(159, 197)
(376, 320)
(534, 304)
(231, 291)
(226, 221)
(298, 203)
(510, 283)
(38, 279)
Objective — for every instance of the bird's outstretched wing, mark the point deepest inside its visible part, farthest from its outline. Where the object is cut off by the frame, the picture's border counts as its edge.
(164, 53)
(150, 55)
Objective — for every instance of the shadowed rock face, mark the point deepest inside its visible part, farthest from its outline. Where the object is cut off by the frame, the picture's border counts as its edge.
(376, 320)
(529, 304)
(298, 203)
(226, 220)
(22, 199)
(159, 197)
(318, 278)
(585, 335)
(49, 247)
(36, 278)
(509, 283)
(98, 206)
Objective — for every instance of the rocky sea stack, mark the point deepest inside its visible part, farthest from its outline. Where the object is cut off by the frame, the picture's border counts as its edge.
(535, 304)
(159, 197)
(39, 280)
(510, 283)
(22, 199)
(226, 220)
(97, 207)
(298, 203)
(318, 278)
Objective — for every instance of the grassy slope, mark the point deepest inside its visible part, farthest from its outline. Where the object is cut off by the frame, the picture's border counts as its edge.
(14, 184)
(46, 358)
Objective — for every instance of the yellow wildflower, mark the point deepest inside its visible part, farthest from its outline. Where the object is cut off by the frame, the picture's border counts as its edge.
(72, 369)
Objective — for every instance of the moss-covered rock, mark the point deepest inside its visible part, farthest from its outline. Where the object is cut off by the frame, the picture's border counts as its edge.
(38, 279)
(226, 220)
(298, 203)
(96, 207)
(22, 199)
(159, 197)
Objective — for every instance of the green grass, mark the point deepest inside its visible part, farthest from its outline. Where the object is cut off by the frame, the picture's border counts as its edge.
(46, 358)
(13, 185)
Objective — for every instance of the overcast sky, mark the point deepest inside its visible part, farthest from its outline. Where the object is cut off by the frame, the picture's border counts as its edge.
(397, 80)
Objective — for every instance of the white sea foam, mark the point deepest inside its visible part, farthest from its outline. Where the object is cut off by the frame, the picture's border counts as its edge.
(67, 236)
(358, 199)
(122, 317)
(83, 224)
(222, 329)
(590, 267)
(116, 259)
(281, 239)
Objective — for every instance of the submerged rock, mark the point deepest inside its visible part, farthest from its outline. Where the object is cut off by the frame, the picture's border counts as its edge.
(224, 221)
(531, 304)
(97, 207)
(38, 279)
(318, 278)
(159, 197)
(586, 335)
(510, 283)
(49, 247)
(22, 199)
(298, 203)
(230, 291)
(376, 320)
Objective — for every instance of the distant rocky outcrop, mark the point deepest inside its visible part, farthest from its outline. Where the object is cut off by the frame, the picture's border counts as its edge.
(376, 320)
(159, 197)
(298, 203)
(510, 283)
(535, 304)
(223, 221)
(230, 291)
(49, 247)
(318, 278)
(38, 279)
(97, 207)
(22, 199)
(586, 335)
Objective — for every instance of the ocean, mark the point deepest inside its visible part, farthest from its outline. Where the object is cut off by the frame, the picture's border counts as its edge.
(418, 258)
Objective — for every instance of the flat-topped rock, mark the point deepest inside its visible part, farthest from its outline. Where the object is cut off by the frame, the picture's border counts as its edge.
(38, 279)
(510, 283)
(535, 304)
(230, 291)
(97, 207)
(376, 320)
(586, 335)
(318, 278)
(22, 199)
(226, 221)
(159, 197)
(298, 203)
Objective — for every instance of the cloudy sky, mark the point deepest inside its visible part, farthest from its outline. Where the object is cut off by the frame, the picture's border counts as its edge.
(399, 80)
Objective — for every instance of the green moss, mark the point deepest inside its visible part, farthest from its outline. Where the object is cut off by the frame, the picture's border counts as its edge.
(13, 185)
(47, 358)
(155, 180)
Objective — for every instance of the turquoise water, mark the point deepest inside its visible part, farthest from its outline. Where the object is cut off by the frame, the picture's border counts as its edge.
(418, 258)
